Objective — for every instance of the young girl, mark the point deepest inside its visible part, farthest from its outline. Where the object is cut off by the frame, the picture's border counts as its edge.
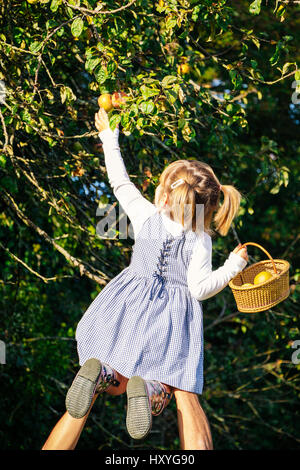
(143, 333)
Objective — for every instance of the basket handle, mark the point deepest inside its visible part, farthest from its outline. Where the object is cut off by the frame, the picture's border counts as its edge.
(265, 251)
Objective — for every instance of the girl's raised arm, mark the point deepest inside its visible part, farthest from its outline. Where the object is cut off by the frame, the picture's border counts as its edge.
(136, 206)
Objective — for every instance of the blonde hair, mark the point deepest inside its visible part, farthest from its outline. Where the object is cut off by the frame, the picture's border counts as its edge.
(200, 186)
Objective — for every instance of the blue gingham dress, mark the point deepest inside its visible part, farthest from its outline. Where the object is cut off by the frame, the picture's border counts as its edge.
(145, 321)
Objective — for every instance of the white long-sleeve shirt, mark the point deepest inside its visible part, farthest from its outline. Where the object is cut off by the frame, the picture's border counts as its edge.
(202, 281)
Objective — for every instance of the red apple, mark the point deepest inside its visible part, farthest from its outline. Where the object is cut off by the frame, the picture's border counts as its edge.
(118, 99)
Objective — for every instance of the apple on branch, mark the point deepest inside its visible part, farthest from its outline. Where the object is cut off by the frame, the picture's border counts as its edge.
(105, 102)
(183, 69)
(118, 99)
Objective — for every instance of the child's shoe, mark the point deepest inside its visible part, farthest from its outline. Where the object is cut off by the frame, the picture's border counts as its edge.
(93, 377)
(144, 399)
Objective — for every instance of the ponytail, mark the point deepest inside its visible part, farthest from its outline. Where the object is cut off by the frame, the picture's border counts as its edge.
(228, 210)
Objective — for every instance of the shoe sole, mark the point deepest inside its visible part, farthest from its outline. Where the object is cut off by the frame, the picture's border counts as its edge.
(139, 416)
(80, 394)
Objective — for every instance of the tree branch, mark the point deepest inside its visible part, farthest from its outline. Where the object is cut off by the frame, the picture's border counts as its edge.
(4, 131)
(45, 279)
(97, 10)
(71, 259)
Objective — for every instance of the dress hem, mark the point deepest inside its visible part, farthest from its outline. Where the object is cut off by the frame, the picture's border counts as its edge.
(159, 378)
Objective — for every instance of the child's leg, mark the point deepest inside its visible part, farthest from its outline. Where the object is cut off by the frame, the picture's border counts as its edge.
(65, 434)
(67, 431)
(93, 377)
(193, 426)
(121, 388)
(145, 398)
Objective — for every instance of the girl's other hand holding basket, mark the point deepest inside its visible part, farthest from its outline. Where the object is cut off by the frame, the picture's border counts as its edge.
(241, 252)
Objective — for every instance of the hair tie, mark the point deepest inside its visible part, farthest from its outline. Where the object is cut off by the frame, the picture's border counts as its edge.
(177, 183)
(221, 187)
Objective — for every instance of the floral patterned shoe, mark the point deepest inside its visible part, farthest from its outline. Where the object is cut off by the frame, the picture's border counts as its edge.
(144, 400)
(93, 377)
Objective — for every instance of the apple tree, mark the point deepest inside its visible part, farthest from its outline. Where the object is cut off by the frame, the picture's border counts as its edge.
(216, 81)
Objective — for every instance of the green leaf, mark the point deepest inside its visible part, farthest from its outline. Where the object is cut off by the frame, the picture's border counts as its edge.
(236, 79)
(77, 27)
(100, 46)
(111, 67)
(256, 42)
(195, 13)
(25, 116)
(147, 107)
(255, 7)
(134, 110)
(91, 63)
(181, 123)
(254, 64)
(286, 67)
(171, 96)
(60, 32)
(280, 10)
(66, 94)
(147, 92)
(168, 81)
(170, 23)
(275, 57)
(55, 4)
(275, 189)
(285, 176)
(35, 46)
(2, 161)
(114, 120)
(100, 75)
(125, 119)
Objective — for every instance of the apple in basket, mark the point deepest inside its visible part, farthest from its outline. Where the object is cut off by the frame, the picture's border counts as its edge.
(261, 277)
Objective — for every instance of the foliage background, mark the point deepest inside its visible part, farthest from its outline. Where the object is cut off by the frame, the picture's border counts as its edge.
(233, 110)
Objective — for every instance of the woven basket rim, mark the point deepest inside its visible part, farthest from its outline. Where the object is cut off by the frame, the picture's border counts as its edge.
(275, 276)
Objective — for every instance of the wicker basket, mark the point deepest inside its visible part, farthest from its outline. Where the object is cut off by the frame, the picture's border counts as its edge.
(261, 297)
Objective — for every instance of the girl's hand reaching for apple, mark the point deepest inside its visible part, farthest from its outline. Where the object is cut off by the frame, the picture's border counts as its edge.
(241, 252)
(101, 120)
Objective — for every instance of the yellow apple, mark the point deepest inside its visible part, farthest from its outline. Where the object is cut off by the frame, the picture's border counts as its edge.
(262, 277)
(183, 69)
(105, 102)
